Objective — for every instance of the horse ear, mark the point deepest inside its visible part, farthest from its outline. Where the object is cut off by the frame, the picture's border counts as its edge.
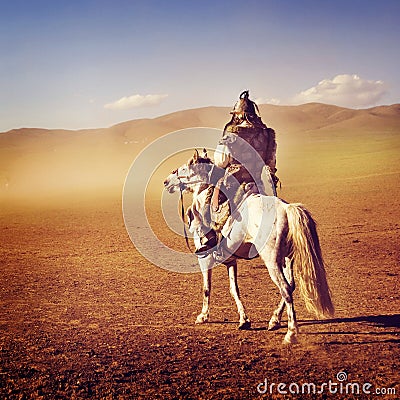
(196, 155)
(204, 155)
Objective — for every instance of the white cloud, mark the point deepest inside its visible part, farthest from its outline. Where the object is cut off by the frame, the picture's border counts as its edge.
(344, 90)
(263, 100)
(136, 100)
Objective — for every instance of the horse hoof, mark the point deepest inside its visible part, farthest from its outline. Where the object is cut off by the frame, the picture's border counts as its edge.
(201, 319)
(290, 338)
(274, 325)
(245, 325)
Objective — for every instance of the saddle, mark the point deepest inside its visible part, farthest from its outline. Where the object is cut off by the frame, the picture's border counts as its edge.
(223, 216)
(223, 198)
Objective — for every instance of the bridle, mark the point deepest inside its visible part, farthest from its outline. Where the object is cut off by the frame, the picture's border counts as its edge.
(182, 186)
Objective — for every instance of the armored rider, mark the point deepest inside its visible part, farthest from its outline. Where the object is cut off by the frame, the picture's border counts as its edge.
(247, 152)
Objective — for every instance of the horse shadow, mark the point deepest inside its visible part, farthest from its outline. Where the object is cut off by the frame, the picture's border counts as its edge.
(391, 323)
(379, 321)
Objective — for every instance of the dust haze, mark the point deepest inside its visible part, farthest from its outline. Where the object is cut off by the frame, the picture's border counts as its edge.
(84, 314)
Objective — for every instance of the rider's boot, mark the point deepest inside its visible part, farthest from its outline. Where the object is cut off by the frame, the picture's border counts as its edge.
(208, 241)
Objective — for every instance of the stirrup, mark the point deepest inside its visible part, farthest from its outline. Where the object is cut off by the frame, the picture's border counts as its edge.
(220, 255)
(207, 247)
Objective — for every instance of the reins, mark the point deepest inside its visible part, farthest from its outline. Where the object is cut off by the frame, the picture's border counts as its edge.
(181, 189)
(183, 220)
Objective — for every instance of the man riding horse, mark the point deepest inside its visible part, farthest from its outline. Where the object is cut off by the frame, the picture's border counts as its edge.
(247, 152)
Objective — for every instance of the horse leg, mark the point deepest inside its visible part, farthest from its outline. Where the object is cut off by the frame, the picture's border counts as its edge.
(273, 255)
(293, 330)
(206, 270)
(275, 321)
(244, 321)
(279, 279)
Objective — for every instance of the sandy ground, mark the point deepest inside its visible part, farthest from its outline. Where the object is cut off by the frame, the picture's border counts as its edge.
(84, 315)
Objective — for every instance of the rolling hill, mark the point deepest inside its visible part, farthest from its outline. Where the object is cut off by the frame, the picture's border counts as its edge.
(316, 142)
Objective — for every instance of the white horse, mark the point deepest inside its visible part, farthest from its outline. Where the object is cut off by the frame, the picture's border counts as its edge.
(284, 236)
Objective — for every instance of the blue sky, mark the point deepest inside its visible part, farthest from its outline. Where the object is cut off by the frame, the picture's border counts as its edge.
(82, 64)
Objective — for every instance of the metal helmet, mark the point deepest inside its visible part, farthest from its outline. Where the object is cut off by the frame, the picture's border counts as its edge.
(245, 106)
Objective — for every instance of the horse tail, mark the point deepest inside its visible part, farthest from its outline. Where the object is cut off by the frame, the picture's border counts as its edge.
(308, 261)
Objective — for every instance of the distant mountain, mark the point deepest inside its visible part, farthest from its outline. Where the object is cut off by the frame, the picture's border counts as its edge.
(312, 116)
(40, 160)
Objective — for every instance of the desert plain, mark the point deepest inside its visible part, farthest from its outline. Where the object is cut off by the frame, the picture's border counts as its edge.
(85, 315)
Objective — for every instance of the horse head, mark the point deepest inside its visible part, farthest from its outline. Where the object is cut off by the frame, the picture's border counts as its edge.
(194, 172)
